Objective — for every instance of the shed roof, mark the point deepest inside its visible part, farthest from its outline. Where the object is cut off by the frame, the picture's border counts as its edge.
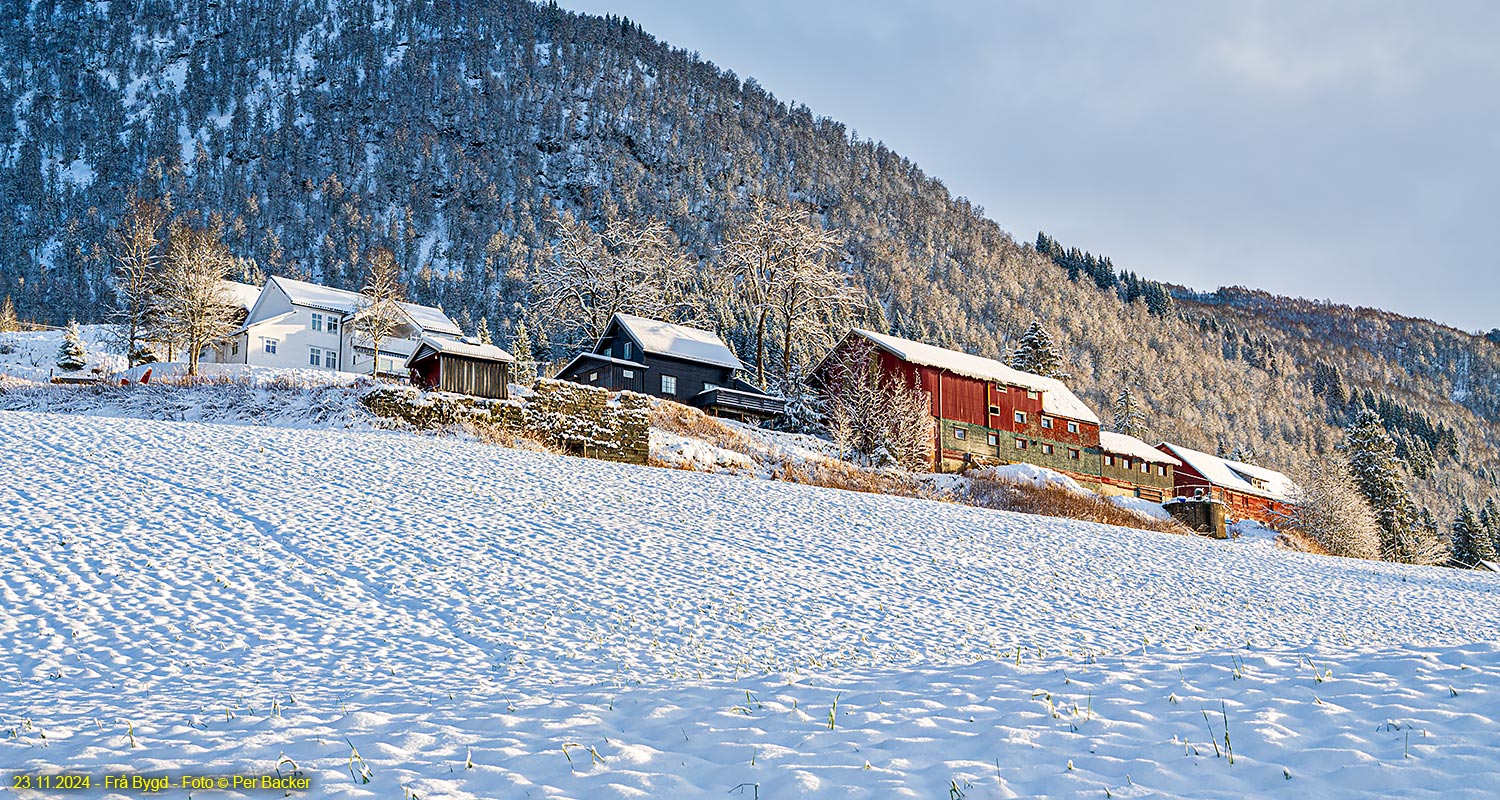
(459, 347)
(678, 341)
(1133, 447)
(1236, 475)
(1057, 398)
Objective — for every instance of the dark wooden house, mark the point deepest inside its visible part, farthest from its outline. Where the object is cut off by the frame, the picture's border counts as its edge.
(689, 365)
(464, 366)
(1246, 490)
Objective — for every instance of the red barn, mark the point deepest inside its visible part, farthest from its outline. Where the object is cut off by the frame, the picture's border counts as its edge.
(1246, 490)
(987, 412)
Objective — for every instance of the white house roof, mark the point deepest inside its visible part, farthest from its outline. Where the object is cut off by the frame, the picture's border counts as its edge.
(243, 294)
(1235, 475)
(678, 341)
(459, 347)
(1057, 398)
(1133, 447)
(327, 298)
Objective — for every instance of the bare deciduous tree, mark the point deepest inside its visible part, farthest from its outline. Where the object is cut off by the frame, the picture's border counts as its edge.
(875, 416)
(380, 315)
(590, 276)
(1329, 509)
(134, 246)
(193, 304)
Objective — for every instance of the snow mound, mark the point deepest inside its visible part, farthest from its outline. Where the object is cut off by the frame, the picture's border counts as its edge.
(1032, 474)
(1145, 508)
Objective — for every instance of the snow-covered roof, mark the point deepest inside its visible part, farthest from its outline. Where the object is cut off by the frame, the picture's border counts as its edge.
(243, 294)
(1235, 475)
(248, 325)
(604, 358)
(460, 347)
(1133, 447)
(327, 298)
(678, 341)
(1057, 398)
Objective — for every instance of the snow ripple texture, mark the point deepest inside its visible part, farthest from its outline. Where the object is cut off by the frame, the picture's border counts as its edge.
(182, 594)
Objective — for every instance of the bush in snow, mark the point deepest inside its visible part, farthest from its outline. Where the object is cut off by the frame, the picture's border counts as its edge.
(876, 416)
(72, 357)
(1327, 508)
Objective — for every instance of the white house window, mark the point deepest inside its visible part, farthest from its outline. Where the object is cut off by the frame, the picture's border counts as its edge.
(627, 374)
(669, 384)
(1020, 444)
(1020, 417)
(1072, 427)
(331, 359)
(317, 322)
(1047, 423)
(593, 377)
(269, 345)
(314, 357)
(993, 440)
(331, 324)
(628, 346)
(960, 433)
(1124, 463)
(234, 347)
(1145, 467)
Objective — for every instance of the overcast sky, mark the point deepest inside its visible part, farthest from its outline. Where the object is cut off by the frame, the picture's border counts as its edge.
(1347, 151)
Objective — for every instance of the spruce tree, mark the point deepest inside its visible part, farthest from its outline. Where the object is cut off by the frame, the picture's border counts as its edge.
(520, 347)
(803, 411)
(72, 356)
(1036, 354)
(1471, 543)
(484, 331)
(8, 321)
(1489, 519)
(1377, 472)
(1129, 418)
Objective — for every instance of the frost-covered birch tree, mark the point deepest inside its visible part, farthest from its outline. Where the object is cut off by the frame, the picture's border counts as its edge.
(134, 249)
(380, 315)
(877, 417)
(193, 305)
(1328, 508)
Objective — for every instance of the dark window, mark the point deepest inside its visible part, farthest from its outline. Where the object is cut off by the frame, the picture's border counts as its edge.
(1020, 444)
(1074, 454)
(1047, 423)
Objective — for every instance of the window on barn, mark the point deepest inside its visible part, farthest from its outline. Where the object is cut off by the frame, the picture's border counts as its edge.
(317, 322)
(1161, 470)
(1145, 467)
(1032, 394)
(1074, 454)
(1109, 461)
(960, 433)
(1047, 423)
(1072, 427)
(627, 352)
(993, 440)
(1124, 463)
(1020, 444)
(627, 374)
(1047, 449)
(593, 377)
(994, 411)
(1020, 417)
(669, 384)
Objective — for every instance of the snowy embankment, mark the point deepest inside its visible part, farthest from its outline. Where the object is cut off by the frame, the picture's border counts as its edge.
(185, 597)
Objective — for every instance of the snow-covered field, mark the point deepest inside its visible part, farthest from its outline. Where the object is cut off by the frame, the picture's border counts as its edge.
(181, 597)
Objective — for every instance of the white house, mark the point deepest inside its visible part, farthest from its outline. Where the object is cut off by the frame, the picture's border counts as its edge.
(295, 324)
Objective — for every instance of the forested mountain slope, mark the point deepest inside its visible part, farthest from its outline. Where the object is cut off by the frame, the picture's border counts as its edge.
(455, 133)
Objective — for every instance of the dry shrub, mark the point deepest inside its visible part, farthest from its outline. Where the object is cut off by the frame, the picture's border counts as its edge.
(1302, 543)
(1055, 501)
(690, 422)
(496, 435)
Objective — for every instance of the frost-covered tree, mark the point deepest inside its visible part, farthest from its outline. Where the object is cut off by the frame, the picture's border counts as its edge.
(134, 246)
(72, 356)
(1036, 353)
(483, 331)
(8, 321)
(875, 416)
(1328, 508)
(1376, 470)
(1489, 518)
(380, 315)
(192, 303)
(803, 412)
(1470, 541)
(591, 276)
(520, 347)
(1129, 418)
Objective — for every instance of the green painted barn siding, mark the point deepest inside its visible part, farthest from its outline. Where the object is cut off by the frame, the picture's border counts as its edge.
(1135, 476)
(976, 443)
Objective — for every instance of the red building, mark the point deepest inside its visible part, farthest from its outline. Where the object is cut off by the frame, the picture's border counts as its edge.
(987, 412)
(1246, 490)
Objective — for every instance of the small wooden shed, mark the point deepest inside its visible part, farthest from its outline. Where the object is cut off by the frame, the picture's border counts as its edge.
(463, 366)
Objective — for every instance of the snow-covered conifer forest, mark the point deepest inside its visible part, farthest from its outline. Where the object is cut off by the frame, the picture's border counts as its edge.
(464, 137)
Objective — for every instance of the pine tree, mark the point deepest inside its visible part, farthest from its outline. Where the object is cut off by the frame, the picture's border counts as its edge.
(8, 321)
(72, 357)
(520, 347)
(1489, 519)
(1371, 454)
(1129, 418)
(484, 331)
(1036, 354)
(803, 412)
(1471, 543)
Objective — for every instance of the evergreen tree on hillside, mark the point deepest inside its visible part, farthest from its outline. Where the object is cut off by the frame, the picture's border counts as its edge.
(1036, 354)
(520, 347)
(72, 356)
(483, 331)
(1471, 543)
(803, 411)
(8, 321)
(1489, 519)
(1371, 454)
(1129, 418)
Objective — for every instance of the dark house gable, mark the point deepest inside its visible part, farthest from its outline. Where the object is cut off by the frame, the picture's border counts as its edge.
(688, 365)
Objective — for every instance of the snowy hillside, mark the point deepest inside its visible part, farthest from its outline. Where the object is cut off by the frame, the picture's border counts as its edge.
(481, 622)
